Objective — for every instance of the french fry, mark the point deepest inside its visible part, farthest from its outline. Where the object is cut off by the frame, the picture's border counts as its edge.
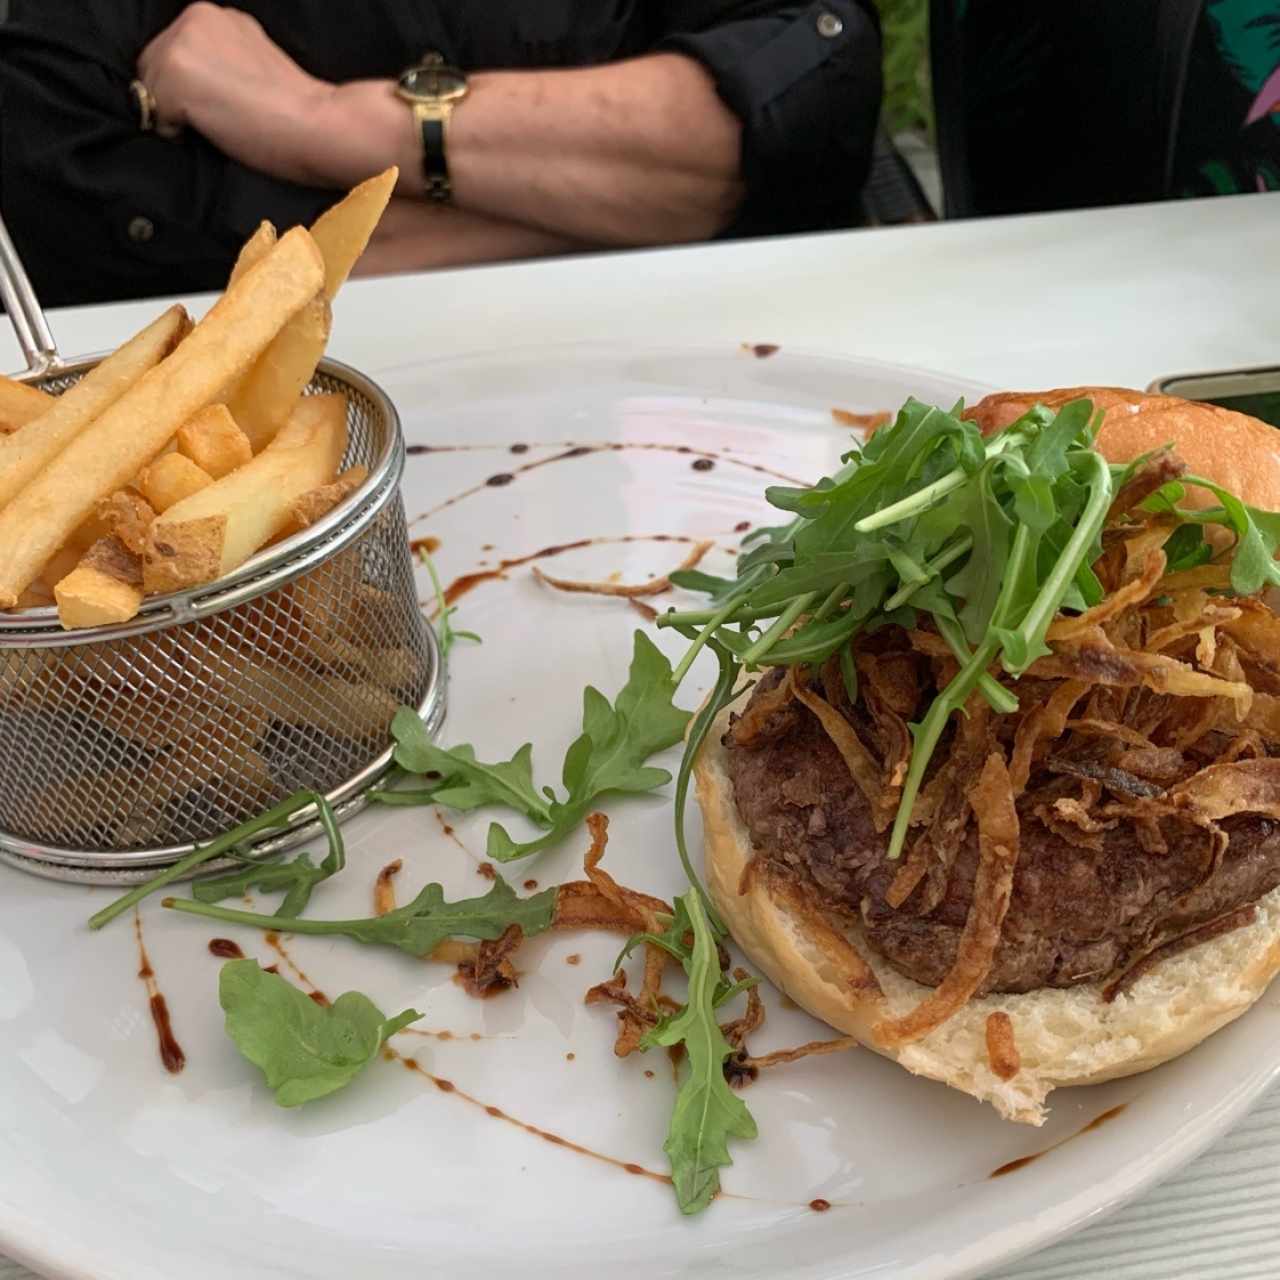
(121, 441)
(213, 531)
(105, 587)
(86, 533)
(171, 478)
(154, 720)
(395, 668)
(205, 762)
(20, 404)
(268, 394)
(338, 707)
(62, 563)
(307, 509)
(36, 596)
(58, 814)
(127, 516)
(214, 442)
(263, 400)
(27, 452)
(254, 249)
(343, 230)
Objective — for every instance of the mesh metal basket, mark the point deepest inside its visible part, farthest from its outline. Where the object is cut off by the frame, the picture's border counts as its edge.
(122, 747)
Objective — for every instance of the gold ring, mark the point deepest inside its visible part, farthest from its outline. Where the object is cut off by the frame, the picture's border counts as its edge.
(145, 102)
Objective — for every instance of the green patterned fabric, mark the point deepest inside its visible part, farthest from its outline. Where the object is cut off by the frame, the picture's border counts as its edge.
(1229, 131)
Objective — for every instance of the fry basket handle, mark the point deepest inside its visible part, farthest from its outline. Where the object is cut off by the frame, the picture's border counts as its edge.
(20, 301)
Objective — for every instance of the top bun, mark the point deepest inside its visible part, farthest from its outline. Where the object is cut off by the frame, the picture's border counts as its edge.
(1238, 452)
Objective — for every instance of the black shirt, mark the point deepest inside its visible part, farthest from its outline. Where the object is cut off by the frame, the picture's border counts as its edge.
(100, 211)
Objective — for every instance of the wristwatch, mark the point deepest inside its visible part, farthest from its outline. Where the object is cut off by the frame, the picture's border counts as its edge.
(433, 89)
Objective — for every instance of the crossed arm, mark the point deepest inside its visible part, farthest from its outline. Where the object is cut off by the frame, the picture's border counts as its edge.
(542, 162)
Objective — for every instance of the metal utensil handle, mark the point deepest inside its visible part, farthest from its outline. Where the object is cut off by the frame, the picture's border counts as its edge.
(20, 301)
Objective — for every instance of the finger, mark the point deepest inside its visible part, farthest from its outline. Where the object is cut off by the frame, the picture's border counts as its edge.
(152, 55)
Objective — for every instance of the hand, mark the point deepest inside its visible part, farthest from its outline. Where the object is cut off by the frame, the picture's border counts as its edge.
(217, 71)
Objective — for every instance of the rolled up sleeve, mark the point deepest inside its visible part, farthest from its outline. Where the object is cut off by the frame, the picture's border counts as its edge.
(805, 81)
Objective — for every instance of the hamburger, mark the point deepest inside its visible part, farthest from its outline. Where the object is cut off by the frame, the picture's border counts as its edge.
(1082, 880)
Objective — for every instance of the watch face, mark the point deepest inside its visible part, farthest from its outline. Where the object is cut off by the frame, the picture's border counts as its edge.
(438, 83)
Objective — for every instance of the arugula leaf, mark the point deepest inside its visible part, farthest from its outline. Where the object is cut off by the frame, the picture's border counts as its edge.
(1058, 434)
(696, 580)
(722, 695)
(445, 632)
(298, 878)
(707, 1112)
(977, 582)
(277, 818)
(418, 927)
(465, 783)
(305, 1050)
(1186, 548)
(611, 752)
(1257, 538)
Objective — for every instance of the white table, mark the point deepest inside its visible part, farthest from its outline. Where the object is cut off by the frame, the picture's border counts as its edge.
(1116, 296)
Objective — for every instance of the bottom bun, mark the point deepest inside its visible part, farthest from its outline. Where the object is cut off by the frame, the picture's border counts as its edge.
(1063, 1037)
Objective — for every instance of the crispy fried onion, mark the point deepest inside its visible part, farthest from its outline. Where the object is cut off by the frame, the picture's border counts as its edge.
(947, 801)
(1216, 576)
(857, 757)
(384, 888)
(884, 691)
(1002, 1050)
(1226, 923)
(634, 1016)
(1202, 624)
(741, 1067)
(1257, 631)
(1042, 724)
(1149, 476)
(816, 928)
(631, 591)
(998, 842)
(760, 719)
(1090, 656)
(1134, 592)
(1241, 786)
(601, 901)
(1072, 820)
(1091, 728)
(492, 970)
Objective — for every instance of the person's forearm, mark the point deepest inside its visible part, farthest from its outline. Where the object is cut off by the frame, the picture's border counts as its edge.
(638, 152)
(416, 236)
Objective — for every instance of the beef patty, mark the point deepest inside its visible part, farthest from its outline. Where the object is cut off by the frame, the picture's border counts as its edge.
(1077, 914)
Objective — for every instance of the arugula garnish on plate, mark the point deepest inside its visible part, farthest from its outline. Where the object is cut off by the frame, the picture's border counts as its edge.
(418, 927)
(274, 822)
(446, 634)
(297, 878)
(305, 1050)
(608, 756)
(707, 1112)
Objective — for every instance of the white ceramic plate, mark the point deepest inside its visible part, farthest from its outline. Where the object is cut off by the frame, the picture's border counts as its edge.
(109, 1167)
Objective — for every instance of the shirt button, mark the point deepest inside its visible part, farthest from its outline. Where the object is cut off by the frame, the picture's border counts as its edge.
(141, 229)
(829, 25)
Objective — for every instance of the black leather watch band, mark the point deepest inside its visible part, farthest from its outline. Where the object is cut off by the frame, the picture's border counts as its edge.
(435, 166)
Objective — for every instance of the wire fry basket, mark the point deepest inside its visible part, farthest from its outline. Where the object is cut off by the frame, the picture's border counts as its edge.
(123, 747)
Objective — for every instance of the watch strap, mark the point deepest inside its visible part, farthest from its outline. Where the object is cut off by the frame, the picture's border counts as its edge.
(435, 165)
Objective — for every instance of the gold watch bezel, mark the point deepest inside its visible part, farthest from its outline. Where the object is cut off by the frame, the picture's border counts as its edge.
(442, 96)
